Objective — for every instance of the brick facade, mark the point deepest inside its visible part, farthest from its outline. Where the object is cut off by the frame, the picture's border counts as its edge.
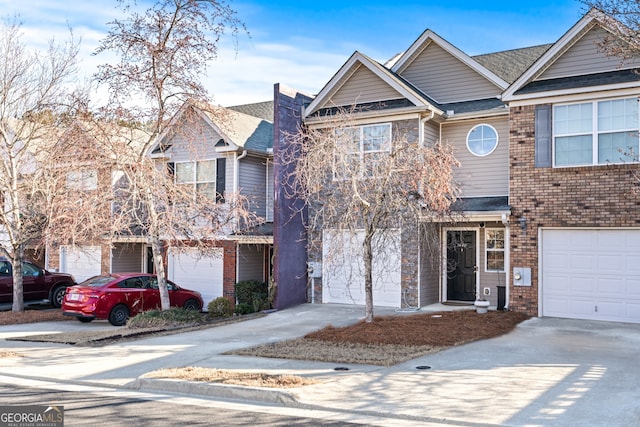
(589, 196)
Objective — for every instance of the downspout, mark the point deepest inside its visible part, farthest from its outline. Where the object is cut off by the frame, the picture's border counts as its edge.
(421, 132)
(236, 189)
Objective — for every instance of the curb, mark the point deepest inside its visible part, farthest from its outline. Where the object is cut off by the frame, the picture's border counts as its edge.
(227, 391)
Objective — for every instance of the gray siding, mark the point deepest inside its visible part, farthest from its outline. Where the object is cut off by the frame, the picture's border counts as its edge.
(126, 257)
(251, 262)
(480, 176)
(447, 79)
(252, 183)
(270, 191)
(584, 57)
(361, 87)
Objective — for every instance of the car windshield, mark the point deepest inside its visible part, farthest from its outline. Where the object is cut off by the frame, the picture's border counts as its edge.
(97, 281)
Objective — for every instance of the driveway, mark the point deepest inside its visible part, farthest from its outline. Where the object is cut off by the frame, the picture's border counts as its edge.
(547, 372)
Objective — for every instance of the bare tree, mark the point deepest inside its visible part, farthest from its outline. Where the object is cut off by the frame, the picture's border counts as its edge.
(163, 53)
(35, 90)
(622, 18)
(368, 181)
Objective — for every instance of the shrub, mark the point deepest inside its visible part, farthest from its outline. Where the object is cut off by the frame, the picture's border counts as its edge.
(219, 307)
(244, 309)
(252, 293)
(175, 316)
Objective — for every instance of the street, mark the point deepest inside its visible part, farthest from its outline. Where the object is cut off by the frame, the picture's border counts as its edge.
(124, 408)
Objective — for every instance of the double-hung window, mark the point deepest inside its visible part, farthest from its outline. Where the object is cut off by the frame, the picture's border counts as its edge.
(361, 149)
(200, 175)
(494, 242)
(596, 133)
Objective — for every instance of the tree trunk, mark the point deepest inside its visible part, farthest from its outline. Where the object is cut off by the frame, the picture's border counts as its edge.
(367, 255)
(18, 289)
(158, 262)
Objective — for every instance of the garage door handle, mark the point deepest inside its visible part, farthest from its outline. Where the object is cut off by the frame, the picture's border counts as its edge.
(596, 308)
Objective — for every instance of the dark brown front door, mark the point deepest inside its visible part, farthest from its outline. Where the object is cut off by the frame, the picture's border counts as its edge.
(461, 265)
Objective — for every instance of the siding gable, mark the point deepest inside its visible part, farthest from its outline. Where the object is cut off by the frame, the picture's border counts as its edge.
(363, 86)
(584, 57)
(446, 78)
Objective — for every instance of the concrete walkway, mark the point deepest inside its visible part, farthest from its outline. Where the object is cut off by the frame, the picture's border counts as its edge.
(548, 372)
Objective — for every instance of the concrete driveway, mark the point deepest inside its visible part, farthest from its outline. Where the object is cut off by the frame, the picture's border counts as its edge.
(548, 372)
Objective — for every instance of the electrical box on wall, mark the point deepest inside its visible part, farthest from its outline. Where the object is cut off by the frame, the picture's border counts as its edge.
(521, 276)
(314, 269)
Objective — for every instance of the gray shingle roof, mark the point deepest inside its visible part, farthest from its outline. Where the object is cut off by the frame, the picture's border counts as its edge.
(510, 64)
(262, 110)
(574, 82)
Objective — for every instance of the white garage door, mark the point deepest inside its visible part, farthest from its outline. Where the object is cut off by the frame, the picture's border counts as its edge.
(591, 274)
(81, 261)
(193, 271)
(343, 268)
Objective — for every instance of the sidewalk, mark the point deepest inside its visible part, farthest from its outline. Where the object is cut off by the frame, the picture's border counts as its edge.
(547, 372)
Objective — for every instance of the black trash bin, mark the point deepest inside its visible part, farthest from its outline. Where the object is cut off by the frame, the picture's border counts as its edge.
(502, 296)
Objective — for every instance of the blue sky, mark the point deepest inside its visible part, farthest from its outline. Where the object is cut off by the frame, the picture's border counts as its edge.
(302, 44)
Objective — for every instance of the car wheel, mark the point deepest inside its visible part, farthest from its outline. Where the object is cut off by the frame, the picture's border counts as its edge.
(84, 319)
(119, 315)
(191, 304)
(57, 295)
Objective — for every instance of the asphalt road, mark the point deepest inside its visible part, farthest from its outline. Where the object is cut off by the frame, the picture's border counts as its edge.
(111, 409)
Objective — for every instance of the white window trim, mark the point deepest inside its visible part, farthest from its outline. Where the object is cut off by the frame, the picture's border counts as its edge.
(594, 133)
(489, 152)
(487, 250)
(194, 183)
(361, 152)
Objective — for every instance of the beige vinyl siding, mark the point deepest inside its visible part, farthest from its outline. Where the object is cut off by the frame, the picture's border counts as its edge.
(252, 183)
(361, 87)
(251, 262)
(447, 79)
(584, 58)
(431, 132)
(270, 192)
(480, 176)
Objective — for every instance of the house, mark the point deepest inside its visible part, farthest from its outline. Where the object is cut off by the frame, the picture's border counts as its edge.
(547, 213)
(227, 151)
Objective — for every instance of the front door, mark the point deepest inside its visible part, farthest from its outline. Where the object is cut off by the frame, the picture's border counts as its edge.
(461, 265)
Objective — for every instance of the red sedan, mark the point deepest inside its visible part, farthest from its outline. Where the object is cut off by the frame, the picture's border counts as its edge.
(118, 296)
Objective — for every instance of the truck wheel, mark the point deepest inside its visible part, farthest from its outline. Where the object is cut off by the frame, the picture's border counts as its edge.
(57, 295)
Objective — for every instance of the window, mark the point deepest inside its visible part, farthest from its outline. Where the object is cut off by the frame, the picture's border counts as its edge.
(596, 133)
(202, 175)
(84, 180)
(365, 147)
(494, 241)
(482, 140)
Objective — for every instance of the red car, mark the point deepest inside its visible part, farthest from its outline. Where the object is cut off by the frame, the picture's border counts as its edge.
(118, 296)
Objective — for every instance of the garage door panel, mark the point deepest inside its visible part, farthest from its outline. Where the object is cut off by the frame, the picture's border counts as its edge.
(602, 274)
(199, 273)
(82, 262)
(343, 269)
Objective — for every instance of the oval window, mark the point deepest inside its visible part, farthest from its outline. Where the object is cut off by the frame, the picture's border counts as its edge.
(482, 140)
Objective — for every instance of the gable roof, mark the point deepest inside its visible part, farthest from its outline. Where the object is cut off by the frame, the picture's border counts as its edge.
(357, 60)
(238, 130)
(526, 83)
(243, 130)
(429, 37)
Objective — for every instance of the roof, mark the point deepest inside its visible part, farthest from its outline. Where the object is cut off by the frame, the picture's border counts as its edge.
(510, 64)
(481, 204)
(575, 82)
(262, 110)
(245, 131)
